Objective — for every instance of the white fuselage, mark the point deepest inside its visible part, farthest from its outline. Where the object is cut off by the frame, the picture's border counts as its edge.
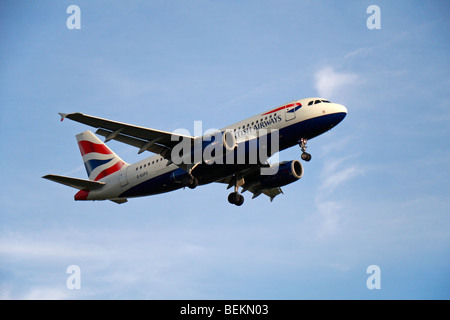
(304, 118)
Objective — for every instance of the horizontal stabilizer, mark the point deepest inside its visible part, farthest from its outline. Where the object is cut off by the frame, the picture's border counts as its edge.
(74, 182)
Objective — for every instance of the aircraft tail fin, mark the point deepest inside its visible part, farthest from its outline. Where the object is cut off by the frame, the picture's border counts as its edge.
(99, 160)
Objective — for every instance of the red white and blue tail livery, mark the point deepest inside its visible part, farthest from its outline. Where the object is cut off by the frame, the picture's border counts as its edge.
(99, 160)
(226, 156)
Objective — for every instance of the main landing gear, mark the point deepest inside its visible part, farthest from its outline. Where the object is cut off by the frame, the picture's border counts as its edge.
(190, 181)
(305, 155)
(235, 197)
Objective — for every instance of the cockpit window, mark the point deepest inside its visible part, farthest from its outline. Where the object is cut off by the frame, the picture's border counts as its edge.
(317, 101)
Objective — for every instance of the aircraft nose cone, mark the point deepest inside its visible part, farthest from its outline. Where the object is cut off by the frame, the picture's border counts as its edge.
(341, 108)
(337, 112)
(341, 111)
(334, 108)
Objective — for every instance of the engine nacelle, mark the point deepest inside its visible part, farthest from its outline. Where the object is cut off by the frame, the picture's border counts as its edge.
(288, 172)
(217, 146)
(211, 148)
(219, 141)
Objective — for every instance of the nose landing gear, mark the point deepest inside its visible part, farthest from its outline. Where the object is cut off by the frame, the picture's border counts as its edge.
(235, 197)
(305, 155)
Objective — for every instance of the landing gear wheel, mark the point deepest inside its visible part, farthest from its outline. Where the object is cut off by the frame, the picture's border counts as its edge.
(232, 197)
(190, 182)
(193, 184)
(306, 156)
(240, 200)
(236, 198)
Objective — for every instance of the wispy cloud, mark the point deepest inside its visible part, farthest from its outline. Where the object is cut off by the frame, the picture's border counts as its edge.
(333, 180)
(37, 293)
(18, 246)
(329, 82)
(335, 173)
(47, 294)
(358, 52)
(329, 217)
(119, 270)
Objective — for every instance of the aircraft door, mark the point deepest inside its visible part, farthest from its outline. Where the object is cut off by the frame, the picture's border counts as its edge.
(290, 111)
(123, 177)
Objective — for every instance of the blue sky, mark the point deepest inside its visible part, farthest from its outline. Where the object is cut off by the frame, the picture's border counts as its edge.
(375, 193)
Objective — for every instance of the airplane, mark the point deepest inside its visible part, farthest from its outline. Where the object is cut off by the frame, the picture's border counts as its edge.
(224, 156)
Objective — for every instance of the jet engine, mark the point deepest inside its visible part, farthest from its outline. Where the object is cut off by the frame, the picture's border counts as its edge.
(288, 172)
(206, 149)
(217, 146)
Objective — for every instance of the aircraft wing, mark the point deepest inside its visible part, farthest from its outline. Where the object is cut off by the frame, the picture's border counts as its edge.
(156, 141)
(250, 184)
(271, 193)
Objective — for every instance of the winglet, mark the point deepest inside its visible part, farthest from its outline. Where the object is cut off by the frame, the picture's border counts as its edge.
(63, 115)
